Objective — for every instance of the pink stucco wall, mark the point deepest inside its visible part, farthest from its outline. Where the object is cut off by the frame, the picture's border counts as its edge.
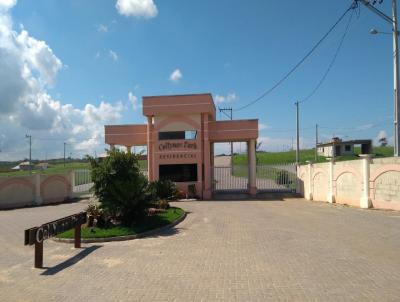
(233, 131)
(126, 135)
(182, 112)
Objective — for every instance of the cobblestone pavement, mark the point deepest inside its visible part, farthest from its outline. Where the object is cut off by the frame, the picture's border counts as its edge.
(289, 250)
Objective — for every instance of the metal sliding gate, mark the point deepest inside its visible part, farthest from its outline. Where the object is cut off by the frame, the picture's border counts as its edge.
(269, 178)
(230, 178)
(277, 178)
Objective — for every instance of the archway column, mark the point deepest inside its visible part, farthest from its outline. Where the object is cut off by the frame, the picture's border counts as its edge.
(206, 154)
(150, 148)
(251, 155)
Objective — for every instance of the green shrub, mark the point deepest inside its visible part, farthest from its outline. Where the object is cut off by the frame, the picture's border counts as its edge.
(164, 189)
(162, 204)
(192, 191)
(93, 212)
(121, 189)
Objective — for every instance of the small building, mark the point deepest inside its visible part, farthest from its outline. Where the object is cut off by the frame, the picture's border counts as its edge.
(42, 166)
(25, 166)
(337, 147)
(180, 134)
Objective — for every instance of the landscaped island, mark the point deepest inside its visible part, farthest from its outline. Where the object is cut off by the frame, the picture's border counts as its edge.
(152, 222)
(126, 203)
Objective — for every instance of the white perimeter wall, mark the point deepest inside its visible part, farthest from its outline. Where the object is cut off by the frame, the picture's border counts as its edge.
(363, 183)
(35, 190)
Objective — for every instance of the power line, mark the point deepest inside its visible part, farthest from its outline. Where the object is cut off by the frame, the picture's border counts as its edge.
(290, 130)
(291, 71)
(360, 128)
(332, 62)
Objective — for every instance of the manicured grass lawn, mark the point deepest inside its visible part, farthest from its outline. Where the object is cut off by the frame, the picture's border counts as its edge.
(151, 222)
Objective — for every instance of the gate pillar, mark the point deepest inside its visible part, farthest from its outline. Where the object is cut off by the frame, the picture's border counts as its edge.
(251, 150)
(150, 148)
(206, 159)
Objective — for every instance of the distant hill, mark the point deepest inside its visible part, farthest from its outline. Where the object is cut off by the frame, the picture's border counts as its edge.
(265, 158)
(56, 166)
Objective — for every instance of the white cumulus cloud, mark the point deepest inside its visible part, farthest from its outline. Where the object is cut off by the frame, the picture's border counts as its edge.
(7, 4)
(133, 100)
(113, 55)
(262, 126)
(176, 76)
(102, 28)
(137, 8)
(230, 97)
(28, 67)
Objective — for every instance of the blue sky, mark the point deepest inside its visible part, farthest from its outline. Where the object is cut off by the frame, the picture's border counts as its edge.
(109, 56)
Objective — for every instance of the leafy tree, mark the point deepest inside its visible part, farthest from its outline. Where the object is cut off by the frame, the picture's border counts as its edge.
(120, 187)
(383, 141)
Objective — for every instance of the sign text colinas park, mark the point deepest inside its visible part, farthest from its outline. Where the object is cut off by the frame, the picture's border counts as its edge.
(51, 229)
(176, 145)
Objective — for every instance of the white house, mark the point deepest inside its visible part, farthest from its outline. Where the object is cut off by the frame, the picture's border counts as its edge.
(337, 147)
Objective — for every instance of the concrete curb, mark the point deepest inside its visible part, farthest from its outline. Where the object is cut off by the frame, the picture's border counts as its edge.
(128, 237)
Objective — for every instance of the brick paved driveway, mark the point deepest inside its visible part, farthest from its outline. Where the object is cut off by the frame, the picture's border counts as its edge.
(224, 251)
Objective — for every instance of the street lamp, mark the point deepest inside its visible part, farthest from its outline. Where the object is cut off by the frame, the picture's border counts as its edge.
(393, 22)
(374, 31)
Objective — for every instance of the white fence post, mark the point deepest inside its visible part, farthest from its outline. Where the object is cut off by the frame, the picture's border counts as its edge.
(38, 195)
(331, 197)
(365, 201)
(298, 180)
(72, 182)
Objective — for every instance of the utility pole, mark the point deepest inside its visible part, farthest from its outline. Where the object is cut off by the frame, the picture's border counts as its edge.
(316, 142)
(393, 21)
(396, 79)
(230, 116)
(64, 152)
(30, 152)
(297, 134)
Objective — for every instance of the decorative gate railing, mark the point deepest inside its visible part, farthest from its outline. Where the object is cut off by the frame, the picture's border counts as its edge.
(82, 181)
(230, 179)
(277, 178)
(269, 178)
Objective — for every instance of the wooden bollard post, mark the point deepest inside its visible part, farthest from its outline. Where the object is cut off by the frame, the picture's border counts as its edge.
(39, 254)
(78, 236)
